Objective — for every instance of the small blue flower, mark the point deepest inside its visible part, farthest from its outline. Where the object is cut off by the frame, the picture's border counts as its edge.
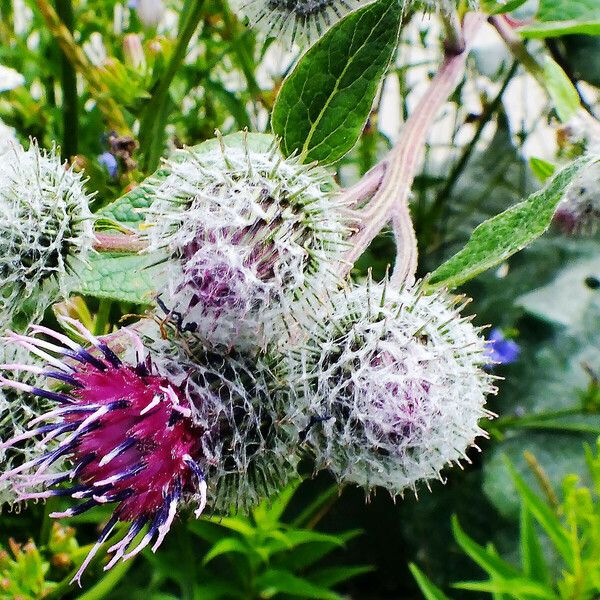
(500, 350)
(110, 163)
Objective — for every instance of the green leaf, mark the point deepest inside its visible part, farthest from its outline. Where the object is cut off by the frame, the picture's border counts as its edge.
(562, 17)
(325, 101)
(276, 581)
(545, 516)
(488, 561)
(559, 28)
(120, 277)
(269, 511)
(331, 576)
(517, 587)
(500, 237)
(226, 546)
(496, 7)
(532, 556)
(430, 591)
(566, 10)
(541, 168)
(561, 90)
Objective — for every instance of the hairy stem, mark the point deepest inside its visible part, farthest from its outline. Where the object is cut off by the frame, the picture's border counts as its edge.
(75, 55)
(155, 115)
(390, 201)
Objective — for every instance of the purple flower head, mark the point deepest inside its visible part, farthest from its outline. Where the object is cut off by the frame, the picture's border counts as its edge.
(109, 162)
(499, 350)
(123, 430)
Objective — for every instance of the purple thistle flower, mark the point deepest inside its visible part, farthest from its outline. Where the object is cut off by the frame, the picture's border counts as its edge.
(124, 430)
(499, 350)
(109, 161)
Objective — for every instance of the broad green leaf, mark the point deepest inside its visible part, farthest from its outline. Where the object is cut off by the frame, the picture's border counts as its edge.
(226, 546)
(532, 557)
(279, 581)
(500, 237)
(325, 101)
(120, 277)
(545, 516)
(561, 90)
(488, 561)
(331, 576)
(429, 591)
(541, 168)
(562, 17)
(565, 10)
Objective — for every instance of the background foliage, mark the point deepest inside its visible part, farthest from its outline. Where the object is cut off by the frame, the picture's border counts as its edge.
(482, 158)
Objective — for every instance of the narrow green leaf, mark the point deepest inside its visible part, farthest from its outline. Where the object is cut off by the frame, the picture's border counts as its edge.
(488, 561)
(553, 29)
(532, 556)
(517, 587)
(325, 101)
(500, 237)
(331, 576)
(226, 546)
(120, 277)
(278, 581)
(561, 90)
(430, 591)
(543, 515)
(269, 511)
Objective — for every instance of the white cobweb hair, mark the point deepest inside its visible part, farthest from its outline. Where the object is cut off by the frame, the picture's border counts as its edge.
(45, 221)
(391, 384)
(296, 21)
(248, 452)
(16, 410)
(249, 231)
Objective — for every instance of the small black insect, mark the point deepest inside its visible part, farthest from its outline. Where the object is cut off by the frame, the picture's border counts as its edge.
(314, 420)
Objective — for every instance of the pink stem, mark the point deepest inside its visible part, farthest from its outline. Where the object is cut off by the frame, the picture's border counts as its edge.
(390, 201)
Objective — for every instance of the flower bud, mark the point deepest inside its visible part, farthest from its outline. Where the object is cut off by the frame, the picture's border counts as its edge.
(295, 21)
(150, 12)
(579, 212)
(133, 51)
(45, 221)
(391, 386)
(249, 232)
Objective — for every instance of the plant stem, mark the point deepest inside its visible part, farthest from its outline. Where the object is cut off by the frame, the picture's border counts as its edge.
(390, 201)
(75, 55)
(155, 115)
(445, 192)
(118, 242)
(64, 10)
